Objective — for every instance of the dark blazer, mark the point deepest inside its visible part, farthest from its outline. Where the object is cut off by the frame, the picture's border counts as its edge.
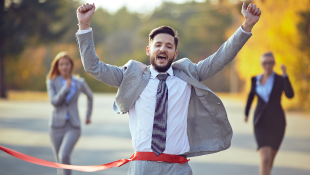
(273, 109)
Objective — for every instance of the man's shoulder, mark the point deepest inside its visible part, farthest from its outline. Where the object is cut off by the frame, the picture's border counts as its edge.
(182, 61)
(135, 66)
(184, 64)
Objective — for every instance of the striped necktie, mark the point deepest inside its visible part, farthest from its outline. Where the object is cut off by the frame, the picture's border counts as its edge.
(160, 118)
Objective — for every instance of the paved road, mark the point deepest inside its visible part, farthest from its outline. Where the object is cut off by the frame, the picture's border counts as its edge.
(23, 127)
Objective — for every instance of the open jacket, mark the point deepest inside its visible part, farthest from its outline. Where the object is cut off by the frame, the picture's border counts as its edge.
(273, 109)
(57, 95)
(208, 128)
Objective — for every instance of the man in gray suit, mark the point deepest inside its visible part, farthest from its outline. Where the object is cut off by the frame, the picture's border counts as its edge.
(171, 113)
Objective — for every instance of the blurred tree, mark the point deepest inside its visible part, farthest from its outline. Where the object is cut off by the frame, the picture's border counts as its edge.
(284, 31)
(123, 36)
(303, 74)
(24, 23)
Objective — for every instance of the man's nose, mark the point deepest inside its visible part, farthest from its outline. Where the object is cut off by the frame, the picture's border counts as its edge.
(163, 49)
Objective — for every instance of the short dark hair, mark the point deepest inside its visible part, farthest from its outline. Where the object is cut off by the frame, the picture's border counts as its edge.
(268, 54)
(167, 30)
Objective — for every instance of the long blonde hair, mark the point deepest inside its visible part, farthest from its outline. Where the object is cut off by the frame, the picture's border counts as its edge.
(54, 72)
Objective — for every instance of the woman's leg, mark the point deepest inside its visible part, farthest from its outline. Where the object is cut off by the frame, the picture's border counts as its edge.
(266, 160)
(273, 156)
(70, 138)
(56, 136)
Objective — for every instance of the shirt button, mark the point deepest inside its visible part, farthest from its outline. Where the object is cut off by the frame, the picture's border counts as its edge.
(218, 103)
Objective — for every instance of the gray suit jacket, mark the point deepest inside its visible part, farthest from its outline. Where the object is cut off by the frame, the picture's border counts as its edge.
(57, 95)
(208, 128)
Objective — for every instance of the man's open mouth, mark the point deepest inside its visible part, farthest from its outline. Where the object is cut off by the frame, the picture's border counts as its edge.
(162, 57)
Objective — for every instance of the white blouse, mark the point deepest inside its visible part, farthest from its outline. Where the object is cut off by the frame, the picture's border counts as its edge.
(264, 91)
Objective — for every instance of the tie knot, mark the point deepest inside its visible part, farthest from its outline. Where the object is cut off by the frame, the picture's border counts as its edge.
(162, 76)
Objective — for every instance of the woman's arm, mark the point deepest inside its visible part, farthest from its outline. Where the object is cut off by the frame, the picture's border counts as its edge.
(87, 91)
(289, 92)
(56, 98)
(250, 98)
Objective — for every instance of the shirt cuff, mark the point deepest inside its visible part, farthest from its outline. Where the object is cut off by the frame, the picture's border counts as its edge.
(80, 32)
(248, 33)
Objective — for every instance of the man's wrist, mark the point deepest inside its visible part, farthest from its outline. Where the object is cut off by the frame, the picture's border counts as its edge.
(83, 25)
(247, 27)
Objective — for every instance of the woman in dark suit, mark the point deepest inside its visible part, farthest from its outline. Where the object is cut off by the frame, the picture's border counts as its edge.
(63, 90)
(269, 118)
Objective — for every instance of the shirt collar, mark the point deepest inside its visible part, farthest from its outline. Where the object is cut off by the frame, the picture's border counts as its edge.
(64, 81)
(261, 75)
(61, 78)
(154, 72)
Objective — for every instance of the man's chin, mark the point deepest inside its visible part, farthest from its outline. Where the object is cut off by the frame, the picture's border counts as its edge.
(161, 68)
(161, 63)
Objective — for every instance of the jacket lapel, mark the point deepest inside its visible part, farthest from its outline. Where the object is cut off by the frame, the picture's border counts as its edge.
(145, 80)
(139, 87)
(189, 80)
(58, 83)
(78, 86)
(264, 105)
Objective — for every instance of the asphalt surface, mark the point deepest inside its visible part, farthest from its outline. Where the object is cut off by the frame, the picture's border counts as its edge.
(23, 127)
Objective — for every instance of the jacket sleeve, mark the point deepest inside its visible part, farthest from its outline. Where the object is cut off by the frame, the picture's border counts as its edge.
(250, 97)
(108, 74)
(225, 54)
(56, 98)
(87, 91)
(289, 92)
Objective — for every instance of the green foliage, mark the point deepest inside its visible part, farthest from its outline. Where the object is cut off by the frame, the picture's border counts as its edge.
(30, 22)
(124, 36)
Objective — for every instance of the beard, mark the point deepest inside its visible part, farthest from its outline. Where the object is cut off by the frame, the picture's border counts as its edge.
(161, 68)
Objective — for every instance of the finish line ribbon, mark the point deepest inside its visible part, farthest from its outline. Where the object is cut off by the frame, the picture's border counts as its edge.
(150, 156)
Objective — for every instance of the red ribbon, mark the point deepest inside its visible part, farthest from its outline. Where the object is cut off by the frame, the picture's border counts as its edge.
(136, 156)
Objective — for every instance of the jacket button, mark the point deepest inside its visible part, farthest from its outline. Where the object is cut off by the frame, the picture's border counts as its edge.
(218, 103)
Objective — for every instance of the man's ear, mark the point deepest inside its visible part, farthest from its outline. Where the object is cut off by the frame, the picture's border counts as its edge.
(148, 51)
(175, 54)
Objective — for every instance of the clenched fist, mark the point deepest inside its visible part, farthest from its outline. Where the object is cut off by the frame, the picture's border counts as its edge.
(69, 82)
(251, 14)
(283, 68)
(84, 14)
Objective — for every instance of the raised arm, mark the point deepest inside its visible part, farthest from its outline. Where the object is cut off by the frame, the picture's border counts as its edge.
(289, 92)
(108, 74)
(227, 52)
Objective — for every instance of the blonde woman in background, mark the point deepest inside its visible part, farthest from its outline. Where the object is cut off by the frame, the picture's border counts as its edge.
(63, 90)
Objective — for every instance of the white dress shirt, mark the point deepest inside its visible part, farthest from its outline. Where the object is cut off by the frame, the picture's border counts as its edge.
(141, 115)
